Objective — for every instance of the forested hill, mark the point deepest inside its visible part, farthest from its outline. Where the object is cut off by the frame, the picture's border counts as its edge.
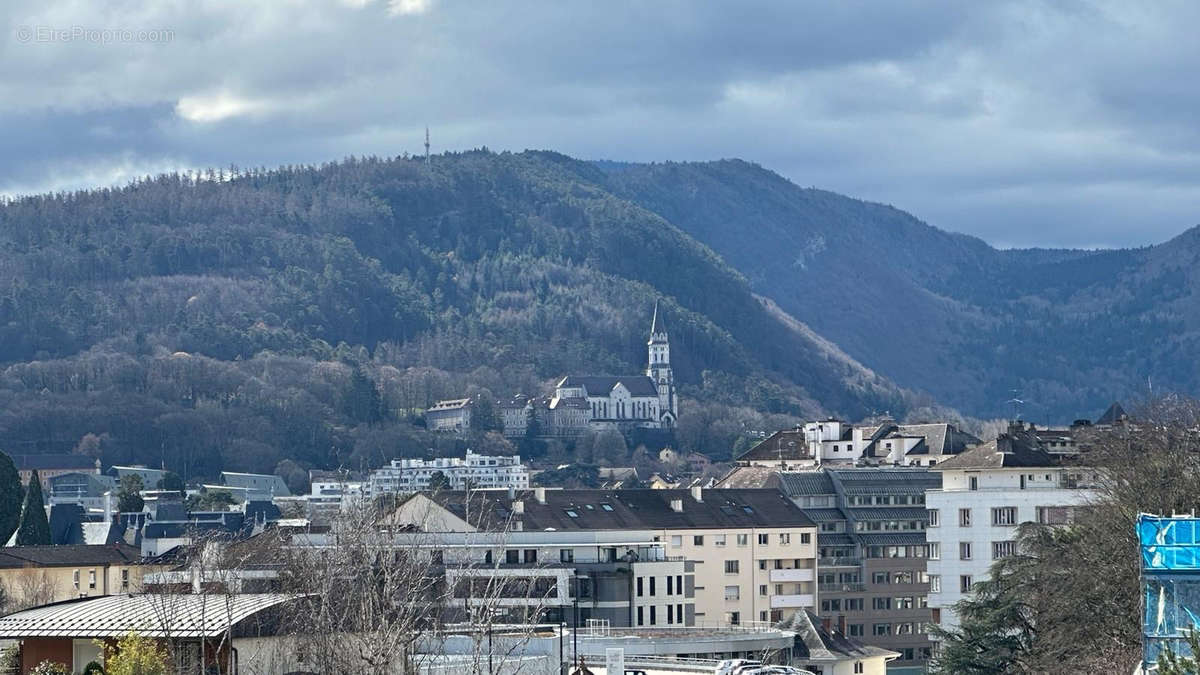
(239, 320)
(1067, 332)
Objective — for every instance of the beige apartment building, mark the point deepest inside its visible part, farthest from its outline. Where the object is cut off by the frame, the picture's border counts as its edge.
(37, 575)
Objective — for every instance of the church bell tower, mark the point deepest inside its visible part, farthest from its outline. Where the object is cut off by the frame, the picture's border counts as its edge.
(659, 370)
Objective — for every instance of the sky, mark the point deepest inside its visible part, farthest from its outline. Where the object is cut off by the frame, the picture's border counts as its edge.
(1055, 124)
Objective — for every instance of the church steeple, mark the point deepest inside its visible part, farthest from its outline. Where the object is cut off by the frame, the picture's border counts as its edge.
(658, 369)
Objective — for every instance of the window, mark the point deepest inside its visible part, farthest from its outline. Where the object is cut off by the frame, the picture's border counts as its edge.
(881, 603)
(743, 539)
(676, 540)
(905, 602)
(778, 589)
(733, 593)
(606, 507)
(530, 555)
(641, 616)
(934, 549)
(964, 550)
(670, 614)
(831, 605)
(653, 620)
(879, 577)
(762, 539)
(785, 538)
(904, 629)
(651, 593)
(933, 517)
(1002, 549)
(805, 538)
(973, 483)
(91, 578)
(1006, 515)
(639, 586)
(964, 583)
(881, 629)
(125, 578)
(566, 555)
(731, 567)
(762, 564)
(854, 604)
(679, 613)
(762, 589)
(572, 513)
(719, 540)
(698, 540)
(964, 517)
(679, 585)
(733, 618)
(512, 557)
(854, 629)
(858, 667)
(935, 583)
(670, 584)
(75, 579)
(1053, 515)
(902, 577)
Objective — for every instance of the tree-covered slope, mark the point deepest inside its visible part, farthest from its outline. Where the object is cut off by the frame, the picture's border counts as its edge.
(1065, 331)
(220, 323)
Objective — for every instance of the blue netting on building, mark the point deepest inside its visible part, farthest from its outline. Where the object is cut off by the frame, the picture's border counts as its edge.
(1170, 549)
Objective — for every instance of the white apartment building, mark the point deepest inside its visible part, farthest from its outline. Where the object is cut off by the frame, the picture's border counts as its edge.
(476, 471)
(838, 443)
(986, 493)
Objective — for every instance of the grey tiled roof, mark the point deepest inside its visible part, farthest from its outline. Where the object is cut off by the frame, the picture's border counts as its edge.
(600, 385)
(1009, 450)
(892, 538)
(825, 515)
(890, 513)
(800, 483)
(786, 445)
(68, 556)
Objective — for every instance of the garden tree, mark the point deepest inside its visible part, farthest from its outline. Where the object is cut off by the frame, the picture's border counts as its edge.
(129, 494)
(1170, 663)
(10, 498)
(361, 401)
(484, 415)
(48, 667)
(438, 481)
(171, 481)
(34, 529)
(134, 655)
(213, 500)
(93, 668)
(88, 446)
(609, 448)
(1149, 465)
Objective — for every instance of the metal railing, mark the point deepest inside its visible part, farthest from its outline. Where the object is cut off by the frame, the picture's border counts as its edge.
(586, 632)
(842, 588)
(840, 561)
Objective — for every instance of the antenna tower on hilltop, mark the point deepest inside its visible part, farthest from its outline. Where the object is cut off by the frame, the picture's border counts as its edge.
(426, 146)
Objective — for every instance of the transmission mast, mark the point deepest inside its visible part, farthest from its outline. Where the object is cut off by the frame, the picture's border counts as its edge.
(426, 146)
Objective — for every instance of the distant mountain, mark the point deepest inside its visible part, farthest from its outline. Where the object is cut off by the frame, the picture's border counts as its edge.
(227, 322)
(1064, 331)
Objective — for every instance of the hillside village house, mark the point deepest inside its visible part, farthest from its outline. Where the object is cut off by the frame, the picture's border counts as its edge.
(588, 402)
(752, 553)
(834, 442)
(50, 466)
(36, 575)
(986, 493)
(453, 415)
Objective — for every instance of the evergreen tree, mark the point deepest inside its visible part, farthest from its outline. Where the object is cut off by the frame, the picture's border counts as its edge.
(10, 498)
(129, 495)
(34, 529)
(361, 401)
(171, 481)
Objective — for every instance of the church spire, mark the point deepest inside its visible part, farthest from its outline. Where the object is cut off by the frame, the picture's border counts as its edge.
(657, 326)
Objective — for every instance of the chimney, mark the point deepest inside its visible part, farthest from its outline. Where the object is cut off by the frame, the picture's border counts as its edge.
(677, 505)
(518, 507)
(698, 493)
(841, 625)
(540, 495)
(108, 507)
(512, 492)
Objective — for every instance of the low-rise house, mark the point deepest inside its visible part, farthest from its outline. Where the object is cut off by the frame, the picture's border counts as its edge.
(36, 575)
(823, 648)
(150, 477)
(50, 466)
(88, 490)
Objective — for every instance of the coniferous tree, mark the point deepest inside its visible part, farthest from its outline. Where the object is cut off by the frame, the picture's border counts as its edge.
(35, 529)
(10, 498)
(129, 496)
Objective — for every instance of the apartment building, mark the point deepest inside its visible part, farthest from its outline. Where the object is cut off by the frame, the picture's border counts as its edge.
(833, 442)
(871, 538)
(38, 575)
(747, 555)
(986, 493)
(476, 471)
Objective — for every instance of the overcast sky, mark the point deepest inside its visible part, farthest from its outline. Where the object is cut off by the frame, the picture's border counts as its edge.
(1024, 123)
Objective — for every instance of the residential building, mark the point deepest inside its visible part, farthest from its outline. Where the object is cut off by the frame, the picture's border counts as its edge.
(838, 443)
(86, 489)
(150, 477)
(330, 492)
(256, 486)
(37, 575)
(453, 415)
(50, 466)
(871, 537)
(588, 402)
(477, 471)
(823, 648)
(751, 553)
(986, 493)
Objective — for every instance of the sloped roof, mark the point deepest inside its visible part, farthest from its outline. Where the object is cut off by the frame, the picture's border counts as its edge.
(937, 439)
(801, 483)
(626, 509)
(258, 482)
(54, 462)
(450, 404)
(68, 556)
(1114, 415)
(657, 325)
(825, 515)
(814, 643)
(151, 615)
(891, 538)
(788, 444)
(890, 513)
(602, 385)
(1008, 450)
(750, 477)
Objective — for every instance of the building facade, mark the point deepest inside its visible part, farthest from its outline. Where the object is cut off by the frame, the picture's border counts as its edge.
(477, 471)
(833, 442)
(451, 416)
(986, 493)
(38, 575)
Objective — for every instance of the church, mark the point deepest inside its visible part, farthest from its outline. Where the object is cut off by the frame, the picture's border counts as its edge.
(592, 402)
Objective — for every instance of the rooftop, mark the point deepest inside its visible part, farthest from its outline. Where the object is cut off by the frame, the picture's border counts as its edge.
(68, 556)
(1007, 451)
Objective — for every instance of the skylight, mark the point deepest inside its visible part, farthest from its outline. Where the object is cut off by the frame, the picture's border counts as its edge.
(572, 513)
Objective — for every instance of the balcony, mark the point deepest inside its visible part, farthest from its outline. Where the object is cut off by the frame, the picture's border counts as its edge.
(841, 588)
(842, 561)
(790, 601)
(791, 575)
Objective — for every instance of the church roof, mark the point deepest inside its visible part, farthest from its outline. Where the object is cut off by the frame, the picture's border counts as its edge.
(1114, 415)
(598, 385)
(656, 324)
